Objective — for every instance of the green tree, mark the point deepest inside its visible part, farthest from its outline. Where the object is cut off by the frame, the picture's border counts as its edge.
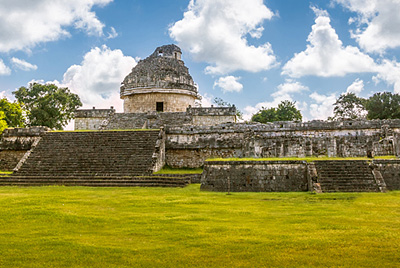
(383, 105)
(349, 106)
(3, 122)
(47, 105)
(265, 115)
(286, 111)
(221, 103)
(13, 113)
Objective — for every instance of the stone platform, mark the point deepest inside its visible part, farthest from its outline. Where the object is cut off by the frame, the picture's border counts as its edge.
(294, 176)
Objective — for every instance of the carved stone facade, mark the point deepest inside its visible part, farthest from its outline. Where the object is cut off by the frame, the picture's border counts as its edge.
(161, 82)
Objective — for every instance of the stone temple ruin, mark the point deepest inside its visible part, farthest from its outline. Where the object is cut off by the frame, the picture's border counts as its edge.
(162, 125)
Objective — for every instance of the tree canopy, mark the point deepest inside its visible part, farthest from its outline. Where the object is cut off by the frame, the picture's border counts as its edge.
(13, 113)
(383, 105)
(349, 107)
(47, 105)
(3, 123)
(286, 111)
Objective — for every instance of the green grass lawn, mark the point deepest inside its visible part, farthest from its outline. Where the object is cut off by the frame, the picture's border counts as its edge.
(183, 227)
(170, 170)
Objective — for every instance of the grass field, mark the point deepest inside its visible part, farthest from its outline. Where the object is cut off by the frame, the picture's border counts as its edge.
(183, 227)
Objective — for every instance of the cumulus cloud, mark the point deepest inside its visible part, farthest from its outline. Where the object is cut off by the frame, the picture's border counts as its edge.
(322, 105)
(289, 87)
(378, 23)
(229, 84)
(356, 87)
(389, 71)
(98, 78)
(325, 55)
(24, 24)
(284, 92)
(4, 70)
(23, 65)
(217, 32)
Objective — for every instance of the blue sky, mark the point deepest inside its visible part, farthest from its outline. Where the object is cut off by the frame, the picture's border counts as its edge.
(252, 53)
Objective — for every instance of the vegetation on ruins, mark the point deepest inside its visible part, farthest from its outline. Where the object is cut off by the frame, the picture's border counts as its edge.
(13, 113)
(286, 111)
(381, 105)
(3, 123)
(221, 103)
(349, 107)
(184, 227)
(47, 105)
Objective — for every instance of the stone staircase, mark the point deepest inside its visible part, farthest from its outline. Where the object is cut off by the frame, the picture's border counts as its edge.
(143, 181)
(344, 176)
(93, 158)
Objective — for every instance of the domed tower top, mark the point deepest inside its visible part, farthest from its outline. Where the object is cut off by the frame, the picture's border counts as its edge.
(168, 51)
(161, 82)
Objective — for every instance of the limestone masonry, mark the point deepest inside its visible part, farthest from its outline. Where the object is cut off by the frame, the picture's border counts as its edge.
(161, 82)
(160, 94)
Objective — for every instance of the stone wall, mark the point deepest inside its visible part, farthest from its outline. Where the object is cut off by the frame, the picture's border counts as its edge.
(10, 158)
(15, 142)
(92, 119)
(255, 176)
(283, 139)
(194, 158)
(109, 120)
(172, 102)
(390, 170)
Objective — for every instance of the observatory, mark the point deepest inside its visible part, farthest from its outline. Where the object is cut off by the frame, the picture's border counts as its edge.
(160, 83)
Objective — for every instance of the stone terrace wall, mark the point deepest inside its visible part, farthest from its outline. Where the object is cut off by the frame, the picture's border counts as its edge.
(92, 119)
(255, 176)
(212, 115)
(107, 119)
(390, 170)
(281, 139)
(15, 142)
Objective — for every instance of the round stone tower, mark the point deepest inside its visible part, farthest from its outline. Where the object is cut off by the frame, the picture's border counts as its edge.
(161, 82)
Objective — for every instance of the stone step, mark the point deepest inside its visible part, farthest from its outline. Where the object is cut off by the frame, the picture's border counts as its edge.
(92, 153)
(144, 181)
(349, 176)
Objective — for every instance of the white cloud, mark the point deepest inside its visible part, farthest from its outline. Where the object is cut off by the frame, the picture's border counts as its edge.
(289, 87)
(389, 71)
(4, 70)
(216, 31)
(378, 23)
(206, 100)
(23, 65)
(325, 54)
(98, 78)
(229, 84)
(356, 87)
(112, 34)
(24, 23)
(322, 106)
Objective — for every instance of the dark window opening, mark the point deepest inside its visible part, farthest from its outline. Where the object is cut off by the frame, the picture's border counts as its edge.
(160, 106)
(176, 55)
